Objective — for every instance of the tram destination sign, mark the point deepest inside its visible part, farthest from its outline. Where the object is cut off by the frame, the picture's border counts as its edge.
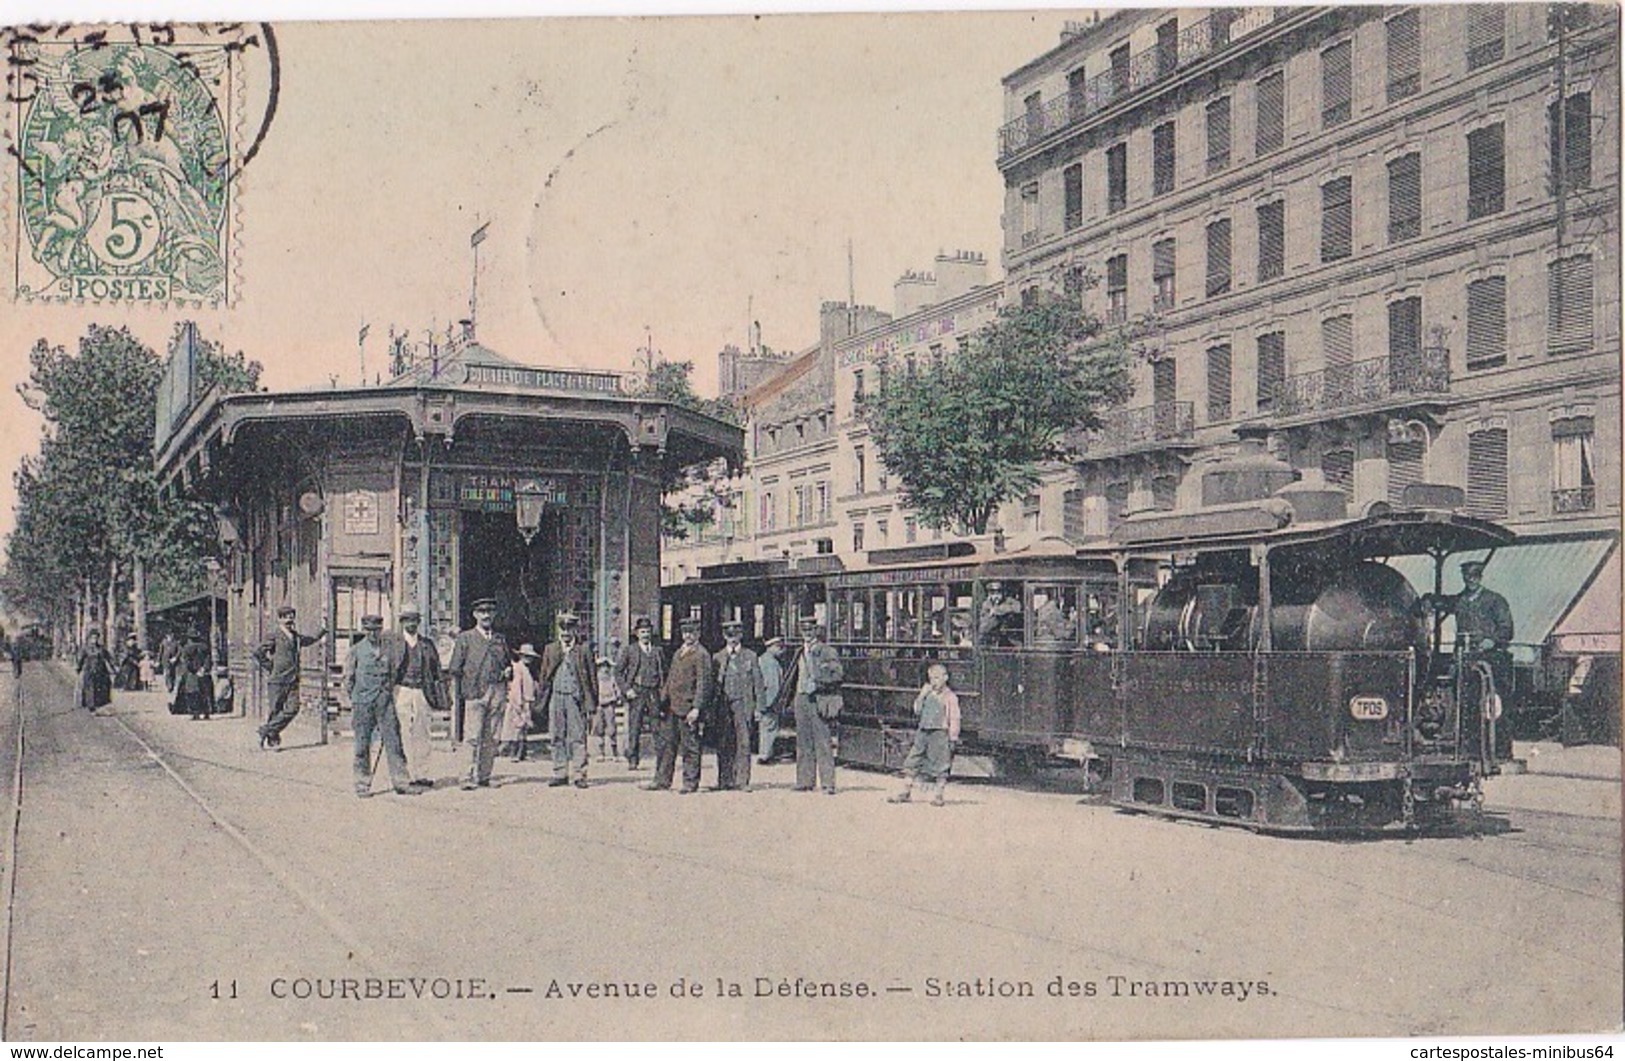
(496, 493)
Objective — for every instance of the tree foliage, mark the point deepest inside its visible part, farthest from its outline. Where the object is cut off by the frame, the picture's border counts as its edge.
(693, 494)
(88, 504)
(971, 432)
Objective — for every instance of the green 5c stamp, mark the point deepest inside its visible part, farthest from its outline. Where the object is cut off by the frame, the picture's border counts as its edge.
(125, 172)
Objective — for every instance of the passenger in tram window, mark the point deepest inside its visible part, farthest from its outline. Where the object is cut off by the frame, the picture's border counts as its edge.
(930, 759)
(1049, 622)
(1000, 622)
(960, 625)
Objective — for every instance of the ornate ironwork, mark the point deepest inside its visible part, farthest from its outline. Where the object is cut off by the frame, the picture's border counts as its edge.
(1364, 383)
(1146, 426)
(1579, 499)
(1154, 64)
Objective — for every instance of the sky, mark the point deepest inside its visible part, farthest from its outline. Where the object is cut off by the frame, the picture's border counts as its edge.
(663, 178)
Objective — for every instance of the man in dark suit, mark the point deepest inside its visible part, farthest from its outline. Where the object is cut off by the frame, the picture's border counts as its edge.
(818, 705)
(569, 688)
(415, 667)
(688, 687)
(480, 665)
(739, 693)
(278, 657)
(640, 672)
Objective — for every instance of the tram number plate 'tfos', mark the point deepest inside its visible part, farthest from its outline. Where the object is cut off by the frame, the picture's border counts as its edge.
(1369, 708)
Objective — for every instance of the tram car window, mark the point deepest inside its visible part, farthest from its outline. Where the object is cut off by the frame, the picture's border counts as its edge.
(880, 616)
(999, 622)
(936, 615)
(959, 616)
(1054, 610)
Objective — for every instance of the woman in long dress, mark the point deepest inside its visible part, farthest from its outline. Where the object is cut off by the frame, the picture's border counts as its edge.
(95, 674)
(521, 698)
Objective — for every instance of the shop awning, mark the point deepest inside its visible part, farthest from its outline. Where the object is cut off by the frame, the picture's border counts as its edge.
(1592, 625)
(1541, 580)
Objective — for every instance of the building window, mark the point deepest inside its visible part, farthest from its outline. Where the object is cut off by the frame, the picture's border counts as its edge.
(1116, 178)
(1164, 380)
(1164, 492)
(1218, 383)
(1486, 34)
(1074, 515)
(1218, 135)
(911, 530)
(1117, 289)
(1404, 338)
(1033, 109)
(1336, 84)
(1029, 214)
(857, 537)
(1031, 513)
(1071, 286)
(767, 515)
(1486, 171)
(798, 513)
(1405, 197)
(1120, 71)
(1336, 219)
(857, 385)
(1272, 240)
(1568, 305)
(1218, 258)
(881, 479)
(1487, 473)
(1167, 47)
(1337, 343)
(1271, 367)
(823, 546)
(882, 532)
(823, 501)
(1077, 84)
(1571, 143)
(1337, 467)
(1162, 274)
(1162, 159)
(1407, 456)
(1404, 55)
(1487, 323)
(1574, 482)
(1117, 495)
(1072, 187)
(1271, 125)
(860, 468)
(934, 356)
(910, 365)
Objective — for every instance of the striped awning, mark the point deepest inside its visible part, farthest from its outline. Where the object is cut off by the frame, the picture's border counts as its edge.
(1592, 625)
(1541, 580)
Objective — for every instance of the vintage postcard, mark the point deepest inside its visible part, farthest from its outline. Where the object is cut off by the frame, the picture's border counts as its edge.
(1012, 525)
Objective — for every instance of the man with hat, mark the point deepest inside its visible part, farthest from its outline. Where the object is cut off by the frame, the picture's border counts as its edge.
(739, 689)
(767, 711)
(687, 690)
(640, 671)
(569, 688)
(480, 665)
(278, 657)
(818, 705)
(369, 683)
(1000, 621)
(415, 665)
(1484, 628)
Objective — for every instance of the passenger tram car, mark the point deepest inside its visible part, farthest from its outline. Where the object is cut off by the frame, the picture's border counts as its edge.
(1253, 662)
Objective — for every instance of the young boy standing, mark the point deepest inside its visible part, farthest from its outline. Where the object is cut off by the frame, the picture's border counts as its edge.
(932, 754)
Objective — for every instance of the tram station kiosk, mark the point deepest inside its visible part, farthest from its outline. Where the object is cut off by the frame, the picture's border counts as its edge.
(466, 476)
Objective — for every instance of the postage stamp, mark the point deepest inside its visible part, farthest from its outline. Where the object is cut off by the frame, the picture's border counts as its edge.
(125, 165)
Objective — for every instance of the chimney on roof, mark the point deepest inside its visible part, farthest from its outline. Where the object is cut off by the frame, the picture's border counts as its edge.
(467, 326)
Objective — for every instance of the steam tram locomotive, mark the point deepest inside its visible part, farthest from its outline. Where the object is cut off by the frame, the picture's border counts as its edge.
(1254, 662)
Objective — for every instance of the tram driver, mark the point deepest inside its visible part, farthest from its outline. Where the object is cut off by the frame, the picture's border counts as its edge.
(1484, 633)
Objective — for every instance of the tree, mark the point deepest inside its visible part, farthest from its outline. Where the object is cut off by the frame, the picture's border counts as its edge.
(90, 520)
(693, 494)
(971, 432)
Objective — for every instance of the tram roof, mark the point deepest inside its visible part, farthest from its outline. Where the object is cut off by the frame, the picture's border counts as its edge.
(1403, 532)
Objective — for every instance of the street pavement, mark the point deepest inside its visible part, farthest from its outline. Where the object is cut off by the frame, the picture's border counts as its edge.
(173, 882)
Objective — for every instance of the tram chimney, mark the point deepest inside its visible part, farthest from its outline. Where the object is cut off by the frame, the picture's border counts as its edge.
(1253, 474)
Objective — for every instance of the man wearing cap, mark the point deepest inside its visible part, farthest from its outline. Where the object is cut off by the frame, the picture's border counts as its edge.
(369, 683)
(1484, 626)
(569, 688)
(767, 714)
(640, 672)
(818, 705)
(480, 665)
(739, 689)
(687, 689)
(278, 657)
(415, 665)
(1000, 621)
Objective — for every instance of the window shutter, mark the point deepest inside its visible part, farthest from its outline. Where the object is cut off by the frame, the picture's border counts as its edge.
(1117, 272)
(1271, 367)
(1405, 330)
(1486, 34)
(1272, 240)
(1162, 273)
(1167, 47)
(1336, 219)
(1271, 113)
(1486, 171)
(1487, 322)
(1218, 135)
(1164, 379)
(1336, 84)
(1568, 305)
(1404, 468)
(1162, 159)
(1337, 341)
(1164, 492)
(1074, 516)
(1487, 473)
(1405, 198)
(1404, 55)
(1072, 183)
(1116, 177)
(1218, 258)
(1337, 466)
(1218, 383)
(1576, 143)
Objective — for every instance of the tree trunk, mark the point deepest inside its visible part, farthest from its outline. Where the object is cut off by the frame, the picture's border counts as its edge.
(139, 574)
(110, 620)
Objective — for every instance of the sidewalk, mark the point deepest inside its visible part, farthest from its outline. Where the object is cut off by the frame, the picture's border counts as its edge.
(1583, 780)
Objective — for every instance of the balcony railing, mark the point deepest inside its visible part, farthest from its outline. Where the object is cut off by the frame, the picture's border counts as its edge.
(1147, 426)
(1143, 70)
(1364, 383)
(1579, 499)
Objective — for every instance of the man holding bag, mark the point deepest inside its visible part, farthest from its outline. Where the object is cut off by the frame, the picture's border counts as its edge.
(818, 705)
